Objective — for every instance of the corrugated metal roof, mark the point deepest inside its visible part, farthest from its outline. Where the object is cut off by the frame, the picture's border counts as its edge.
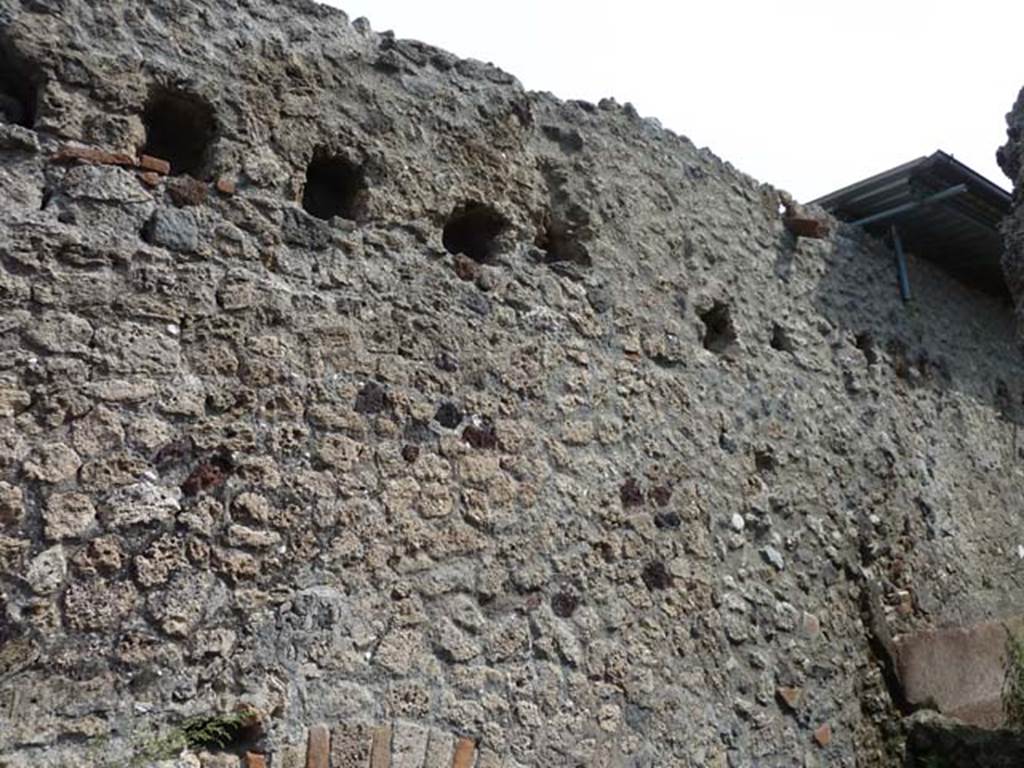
(960, 233)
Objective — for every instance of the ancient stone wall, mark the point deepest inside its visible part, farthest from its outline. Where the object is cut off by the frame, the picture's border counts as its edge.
(344, 381)
(1011, 159)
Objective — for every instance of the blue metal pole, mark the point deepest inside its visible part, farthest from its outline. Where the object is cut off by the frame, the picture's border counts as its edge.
(901, 264)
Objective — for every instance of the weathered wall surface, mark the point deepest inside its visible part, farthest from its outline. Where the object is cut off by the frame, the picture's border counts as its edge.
(1011, 159)
(612, 497)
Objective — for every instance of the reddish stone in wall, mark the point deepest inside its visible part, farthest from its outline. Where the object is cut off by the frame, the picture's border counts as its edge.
(465, 750)
(318, 747)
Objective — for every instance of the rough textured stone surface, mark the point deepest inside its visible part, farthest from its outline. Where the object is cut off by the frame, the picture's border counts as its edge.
(440, 749)
(469, 408)
(350, 745)
(409, 745)
(1011, 159)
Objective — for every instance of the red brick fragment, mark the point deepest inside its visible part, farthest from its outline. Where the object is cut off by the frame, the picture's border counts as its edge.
(465, 750)
(791, 697)
(804, 226)
(823, 735)
(226, 186)
(155, 164)
(203, 478)
(318, 747)
(185, 191)
(255, 760)
(149, 178)
(70, 153)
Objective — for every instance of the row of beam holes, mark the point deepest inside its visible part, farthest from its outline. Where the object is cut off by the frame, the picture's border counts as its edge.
(721, 337)
(181, 127)
(473, 230)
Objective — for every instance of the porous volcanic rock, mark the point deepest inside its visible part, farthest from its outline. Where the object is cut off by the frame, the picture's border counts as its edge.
(1011, 159)
(456, 405)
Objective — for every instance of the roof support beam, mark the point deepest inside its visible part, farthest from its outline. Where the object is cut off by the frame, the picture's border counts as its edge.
(945, 194)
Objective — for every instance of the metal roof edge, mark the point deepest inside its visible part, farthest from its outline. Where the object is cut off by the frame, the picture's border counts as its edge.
(979, 184)
(825, 199)
(987, 186)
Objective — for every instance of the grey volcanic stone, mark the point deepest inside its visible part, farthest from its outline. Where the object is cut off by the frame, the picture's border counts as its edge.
(232, 421)
(173, 229)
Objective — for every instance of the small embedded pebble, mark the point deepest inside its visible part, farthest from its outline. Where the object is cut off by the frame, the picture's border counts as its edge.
(773, 557)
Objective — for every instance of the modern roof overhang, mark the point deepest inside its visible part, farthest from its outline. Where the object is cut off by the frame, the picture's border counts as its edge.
(944, 212)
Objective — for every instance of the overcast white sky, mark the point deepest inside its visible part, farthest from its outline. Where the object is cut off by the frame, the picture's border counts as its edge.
(809, 95)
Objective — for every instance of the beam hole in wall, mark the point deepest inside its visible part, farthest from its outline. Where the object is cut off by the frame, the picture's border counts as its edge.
(472, 230)
(781, 340)
(719, 330)
(7, 630)
(334, 186)
(20, 83)
(866, 344)
(180, 128)
(560, 243)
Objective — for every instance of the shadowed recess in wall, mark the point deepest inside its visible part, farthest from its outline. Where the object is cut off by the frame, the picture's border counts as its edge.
(180, 127)
(472, 230)
(719, 330)
(19, 87)
(781, 340)
(334, 187)
(561, 243)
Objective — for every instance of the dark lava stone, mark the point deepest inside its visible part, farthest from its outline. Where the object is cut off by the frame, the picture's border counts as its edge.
(483, 437)
(449, 415)
(564, 604)
(631, 493)
(662, 495)
(667, 520)
(372, 399)
(656, 577)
